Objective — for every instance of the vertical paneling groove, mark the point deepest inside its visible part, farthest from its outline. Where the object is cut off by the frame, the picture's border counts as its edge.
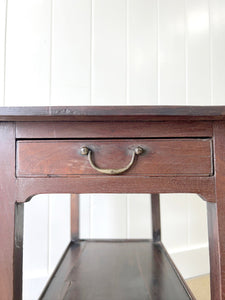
(210, 52)
(127, 218)
(89, 235)
(157, 81)
(5, 43)
(127, 52)
(91, 48)
(49, 235)
(158, 55)
(189, 222)
(217, 32)
(49, 100)
(90, 217)
(50, 52)
(127, 97)
(91, 102)
(3, 30)
(218, 49)
(186, 51)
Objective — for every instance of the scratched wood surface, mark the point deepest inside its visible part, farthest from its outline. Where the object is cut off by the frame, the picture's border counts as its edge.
(116, 270)
(160, 157)
(112, 113)
(110, 129)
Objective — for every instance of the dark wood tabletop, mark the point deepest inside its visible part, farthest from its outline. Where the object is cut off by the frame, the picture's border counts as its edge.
(111, 113)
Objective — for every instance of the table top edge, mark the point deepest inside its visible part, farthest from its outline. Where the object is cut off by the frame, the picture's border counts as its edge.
(107, 113)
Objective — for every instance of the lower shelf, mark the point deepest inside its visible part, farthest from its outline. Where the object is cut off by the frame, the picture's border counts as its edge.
(114, 270)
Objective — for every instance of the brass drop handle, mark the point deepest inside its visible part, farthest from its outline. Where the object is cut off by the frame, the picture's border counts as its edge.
(86, 151)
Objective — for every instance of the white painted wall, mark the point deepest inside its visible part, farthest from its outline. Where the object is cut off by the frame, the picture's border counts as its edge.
(100, 52)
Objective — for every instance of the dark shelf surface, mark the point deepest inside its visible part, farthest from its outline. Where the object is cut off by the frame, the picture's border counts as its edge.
(113, 270)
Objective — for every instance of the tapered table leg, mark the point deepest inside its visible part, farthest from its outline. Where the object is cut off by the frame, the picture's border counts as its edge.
(74, 221)
(214, 252)
(10, 213)
(156, 223)
(216, 217)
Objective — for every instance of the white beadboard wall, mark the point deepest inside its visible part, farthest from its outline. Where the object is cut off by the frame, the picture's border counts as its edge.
(112, 52)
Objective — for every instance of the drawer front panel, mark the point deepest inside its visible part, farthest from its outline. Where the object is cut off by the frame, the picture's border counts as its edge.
(161, 157)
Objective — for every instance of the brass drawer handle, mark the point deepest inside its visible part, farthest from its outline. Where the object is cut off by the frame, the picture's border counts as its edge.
(86, 151)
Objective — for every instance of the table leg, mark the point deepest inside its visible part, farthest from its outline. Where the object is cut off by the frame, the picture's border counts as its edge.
(216, 217)
(214, 252)
(74, 221)
(156, 223)
(10, 249)
(18, 250)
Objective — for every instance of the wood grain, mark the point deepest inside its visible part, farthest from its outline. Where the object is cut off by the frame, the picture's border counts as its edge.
(18, 250)
(119, 270)
(156, 218)
(10, 268)
(28, 187)
(57, 130)
(217, 217)
(74, 217)
(214, 251)
(161, 157)
(112, 113)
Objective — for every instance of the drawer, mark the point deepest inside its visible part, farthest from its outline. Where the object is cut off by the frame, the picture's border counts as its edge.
(160, 157)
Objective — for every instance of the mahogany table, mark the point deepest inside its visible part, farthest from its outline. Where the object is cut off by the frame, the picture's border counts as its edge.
(137, 149)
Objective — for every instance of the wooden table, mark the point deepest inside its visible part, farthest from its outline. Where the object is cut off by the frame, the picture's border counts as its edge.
(139, 149)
